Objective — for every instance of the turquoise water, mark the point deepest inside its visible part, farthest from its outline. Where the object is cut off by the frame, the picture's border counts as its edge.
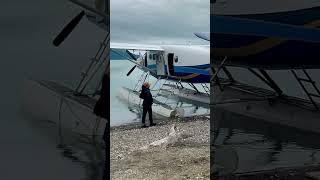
(119, 111)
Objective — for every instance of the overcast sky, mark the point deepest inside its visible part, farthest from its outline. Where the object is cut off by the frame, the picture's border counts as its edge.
(162, 21)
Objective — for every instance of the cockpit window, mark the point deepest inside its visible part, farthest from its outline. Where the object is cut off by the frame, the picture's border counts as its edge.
(150, 56)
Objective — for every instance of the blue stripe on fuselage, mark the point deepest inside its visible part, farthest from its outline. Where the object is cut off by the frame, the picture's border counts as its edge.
(202, 66)
(186, 69)
(180, 71)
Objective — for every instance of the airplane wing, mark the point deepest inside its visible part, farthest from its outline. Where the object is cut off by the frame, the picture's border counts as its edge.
(142, 47)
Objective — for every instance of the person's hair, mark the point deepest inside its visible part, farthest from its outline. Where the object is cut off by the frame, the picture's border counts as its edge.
(146, 84)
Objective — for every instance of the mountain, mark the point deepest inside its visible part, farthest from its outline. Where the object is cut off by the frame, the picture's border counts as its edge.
(120, 55)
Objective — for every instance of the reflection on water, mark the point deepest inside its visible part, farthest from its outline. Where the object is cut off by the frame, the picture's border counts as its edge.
(89, 156)
(260, 145)
(87, 152)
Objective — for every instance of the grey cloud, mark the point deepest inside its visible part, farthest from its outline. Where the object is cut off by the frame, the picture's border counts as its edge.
(145, 20)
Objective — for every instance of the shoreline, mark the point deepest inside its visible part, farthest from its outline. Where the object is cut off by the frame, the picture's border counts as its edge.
(160, 122)
(153, 153)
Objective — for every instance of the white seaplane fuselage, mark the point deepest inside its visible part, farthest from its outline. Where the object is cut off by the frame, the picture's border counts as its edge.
(184, 63)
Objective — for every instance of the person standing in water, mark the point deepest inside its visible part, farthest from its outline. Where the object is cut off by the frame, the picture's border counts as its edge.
(147, 104)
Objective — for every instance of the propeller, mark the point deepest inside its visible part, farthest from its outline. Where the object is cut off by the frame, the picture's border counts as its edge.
(68, 29)
(131, 70)
(133, 57)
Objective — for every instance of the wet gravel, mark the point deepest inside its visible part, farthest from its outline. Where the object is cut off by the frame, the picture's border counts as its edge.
(185, 159)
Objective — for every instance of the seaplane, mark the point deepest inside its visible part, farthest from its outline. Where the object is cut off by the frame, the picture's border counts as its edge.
(174, 67)
(256, 36)
(263, 37)
(77, 110)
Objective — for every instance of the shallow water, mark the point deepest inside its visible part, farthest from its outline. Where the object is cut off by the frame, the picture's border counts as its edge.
(261, 145)
(123, 113)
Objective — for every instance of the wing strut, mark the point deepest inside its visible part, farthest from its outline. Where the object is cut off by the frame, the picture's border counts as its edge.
(267, 79)
(309, 80)
(216, 72)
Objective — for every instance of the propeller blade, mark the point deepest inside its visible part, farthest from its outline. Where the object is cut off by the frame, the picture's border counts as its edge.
(68, 29)
(131, 70)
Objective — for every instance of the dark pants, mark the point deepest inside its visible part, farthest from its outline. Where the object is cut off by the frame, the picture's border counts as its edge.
(147, 109)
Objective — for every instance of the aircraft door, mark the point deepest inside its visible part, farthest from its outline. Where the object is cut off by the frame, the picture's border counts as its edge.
(145, 63)
(170, 64)
(160, 65)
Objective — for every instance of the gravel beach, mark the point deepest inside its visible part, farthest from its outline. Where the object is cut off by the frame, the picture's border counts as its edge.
(177, 149)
